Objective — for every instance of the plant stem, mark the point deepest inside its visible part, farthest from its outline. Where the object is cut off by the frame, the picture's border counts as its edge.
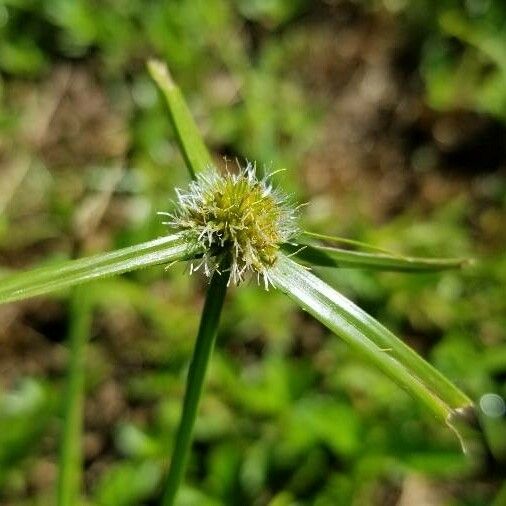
(69, 478)
(203, 348)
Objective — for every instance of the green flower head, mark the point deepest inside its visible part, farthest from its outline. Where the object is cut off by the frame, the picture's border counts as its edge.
(236, 216)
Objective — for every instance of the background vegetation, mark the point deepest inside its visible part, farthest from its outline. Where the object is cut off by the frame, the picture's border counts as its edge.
(389, 116)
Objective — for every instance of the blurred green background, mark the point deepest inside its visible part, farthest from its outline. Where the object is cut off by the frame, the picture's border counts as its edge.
(390, 120)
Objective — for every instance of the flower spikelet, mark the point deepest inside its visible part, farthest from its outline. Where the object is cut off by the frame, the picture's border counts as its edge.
(234, 215)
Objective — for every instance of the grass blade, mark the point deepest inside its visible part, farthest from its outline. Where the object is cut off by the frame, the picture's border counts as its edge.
(72, 272)
(203, 348)
(190, 141)
(328, 256)
(70, 466)
(371, 340)
(344, 240)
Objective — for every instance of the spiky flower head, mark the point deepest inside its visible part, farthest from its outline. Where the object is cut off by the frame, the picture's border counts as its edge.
(236, 216)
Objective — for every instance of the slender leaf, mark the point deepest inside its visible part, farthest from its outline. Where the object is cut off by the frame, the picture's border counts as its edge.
(344, 240)
(328, 256)
(370, 339)
(190, 141)
(72, 272)
(70, 467)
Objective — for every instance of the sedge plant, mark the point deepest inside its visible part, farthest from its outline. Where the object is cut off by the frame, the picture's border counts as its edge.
(231, 227)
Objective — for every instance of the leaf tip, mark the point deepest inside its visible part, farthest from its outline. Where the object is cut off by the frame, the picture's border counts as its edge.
(463, 421)
(468, 262)
(160, 73)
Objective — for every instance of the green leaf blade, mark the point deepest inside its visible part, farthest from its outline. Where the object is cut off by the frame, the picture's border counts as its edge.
(369, 338)
(328, 256)
(73, 272)
(191, 144)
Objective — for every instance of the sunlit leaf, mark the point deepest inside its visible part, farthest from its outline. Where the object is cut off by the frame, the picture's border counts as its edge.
(64, 274)
(190, 141)
(370, 339)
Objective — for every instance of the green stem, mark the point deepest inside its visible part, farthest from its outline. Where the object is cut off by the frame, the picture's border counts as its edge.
(69, 479)
(196, 374)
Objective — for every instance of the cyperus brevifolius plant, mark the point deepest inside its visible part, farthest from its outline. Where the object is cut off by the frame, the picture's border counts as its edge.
(231, 226)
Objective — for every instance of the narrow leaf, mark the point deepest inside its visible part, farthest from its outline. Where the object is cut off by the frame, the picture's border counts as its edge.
(370, 339)
(64, 274)
(328, 256)
(344, 240)
(190, 141)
